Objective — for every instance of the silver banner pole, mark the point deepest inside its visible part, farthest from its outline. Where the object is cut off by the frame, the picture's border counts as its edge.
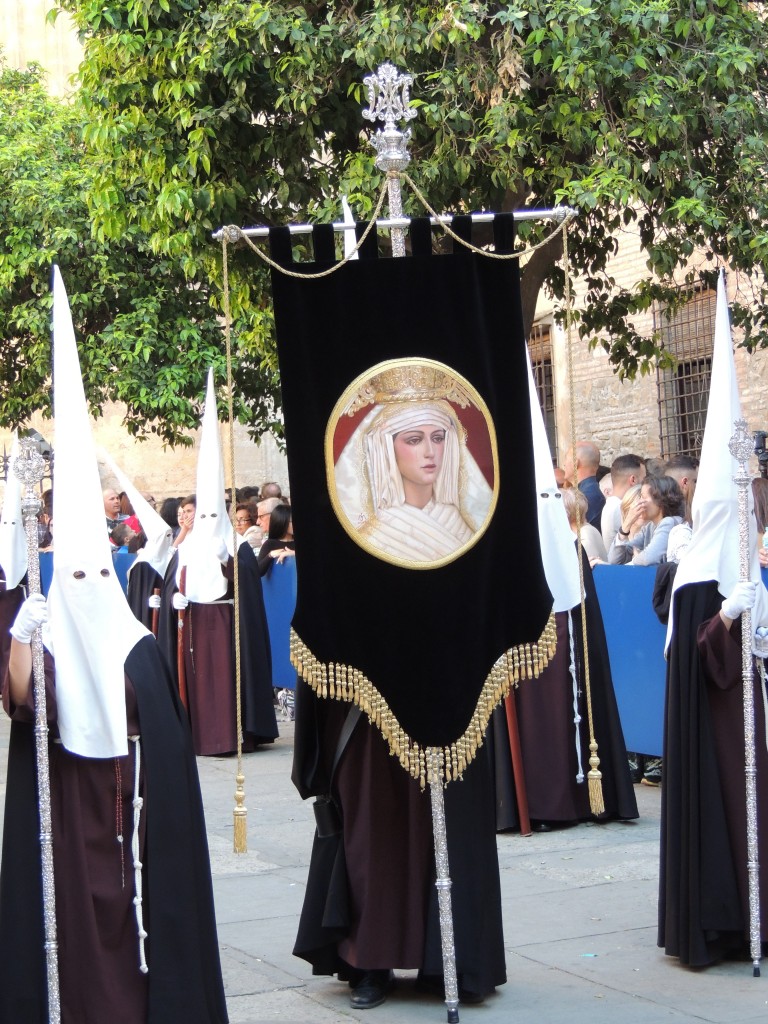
(741, 447)
(388, 96)
(29, 467)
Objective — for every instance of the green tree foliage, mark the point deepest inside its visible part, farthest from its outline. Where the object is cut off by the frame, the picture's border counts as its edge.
(147, 331)
(648, 116)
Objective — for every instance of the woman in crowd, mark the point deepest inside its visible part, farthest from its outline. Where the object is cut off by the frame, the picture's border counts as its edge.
(279, 544)
(576, 504)
(660, 508)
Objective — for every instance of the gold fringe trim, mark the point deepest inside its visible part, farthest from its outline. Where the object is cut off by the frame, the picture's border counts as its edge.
(344, 682)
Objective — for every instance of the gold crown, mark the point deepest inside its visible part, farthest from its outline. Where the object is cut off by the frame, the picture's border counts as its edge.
(411, 380)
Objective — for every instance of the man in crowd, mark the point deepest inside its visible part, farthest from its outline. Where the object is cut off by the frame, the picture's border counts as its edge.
(581, 465)
(684, 469)
(112, 508)
(264, 511)
(626, 471)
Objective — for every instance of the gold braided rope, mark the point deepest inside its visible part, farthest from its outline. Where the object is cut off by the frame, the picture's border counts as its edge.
(334, 681)
(235, 233)
(594, 776)
(240, 812)
(516, 255)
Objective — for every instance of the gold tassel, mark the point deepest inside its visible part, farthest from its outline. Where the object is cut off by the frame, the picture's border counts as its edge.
(241, 817)
(595, 777)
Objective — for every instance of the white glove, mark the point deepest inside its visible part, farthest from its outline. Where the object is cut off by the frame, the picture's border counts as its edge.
(180, 601)
(760, 642)
(33, 613)
(222, 552)
(740, 598)
(154, 601)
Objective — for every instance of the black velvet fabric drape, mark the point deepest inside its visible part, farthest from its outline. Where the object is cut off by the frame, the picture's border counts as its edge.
(426, 639)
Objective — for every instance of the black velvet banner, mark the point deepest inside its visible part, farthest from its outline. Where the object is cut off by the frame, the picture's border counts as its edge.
(426, 638)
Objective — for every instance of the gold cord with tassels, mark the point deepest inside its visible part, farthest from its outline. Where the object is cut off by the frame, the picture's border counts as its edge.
(594, 776)
(240, 812)
(237, 234)
(334, 681)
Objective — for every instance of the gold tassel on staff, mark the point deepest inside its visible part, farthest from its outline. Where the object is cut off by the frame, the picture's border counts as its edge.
(594, 775)
(240, 811)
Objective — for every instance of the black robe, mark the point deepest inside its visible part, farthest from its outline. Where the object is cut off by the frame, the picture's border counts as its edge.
(142, 581)
(258, 720)
(185, 985)
(545, 716)
(10, 602)
(703, 907)
(392, 910)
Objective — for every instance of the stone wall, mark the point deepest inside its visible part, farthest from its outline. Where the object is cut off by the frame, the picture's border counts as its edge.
(623, 416)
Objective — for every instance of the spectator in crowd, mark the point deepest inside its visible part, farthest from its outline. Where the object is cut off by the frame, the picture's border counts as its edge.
(112, 508)
(655, 466)
(575, 504)
(271, 490)
(279, 544)
(169, 512)
(120, 536)
(264, 511)
(243, 519)
(660, 508)
(604, 481)
(684, 469)
(760, 498)
(248, 494)
(680, 535)
(581, 467)
(626, 470)
(246, 526)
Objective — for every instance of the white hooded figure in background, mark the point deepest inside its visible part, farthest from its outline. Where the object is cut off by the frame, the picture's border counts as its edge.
(704, 904)
(210, 543)
(13, 542)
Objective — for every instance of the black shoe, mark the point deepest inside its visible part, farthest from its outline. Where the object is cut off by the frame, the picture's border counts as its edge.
(652, 773)
(371, 990)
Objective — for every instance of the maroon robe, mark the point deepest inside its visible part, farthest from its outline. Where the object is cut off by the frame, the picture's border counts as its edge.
(97, 931)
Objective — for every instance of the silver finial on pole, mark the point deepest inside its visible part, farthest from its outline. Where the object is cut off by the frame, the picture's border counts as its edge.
(741, 447)
(30, 468)
(388, 99)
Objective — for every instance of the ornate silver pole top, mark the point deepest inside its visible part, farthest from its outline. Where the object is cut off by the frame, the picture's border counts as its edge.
(741, 446)
(388, 99)
(29, 467)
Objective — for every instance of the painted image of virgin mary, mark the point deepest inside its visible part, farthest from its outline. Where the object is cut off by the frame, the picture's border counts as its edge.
(407, 487)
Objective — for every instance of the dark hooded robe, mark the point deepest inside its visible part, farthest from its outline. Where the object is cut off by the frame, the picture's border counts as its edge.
(370, 900)
(143, 580)
(545, 716)
(100, 981)
(703, 881)
(209, 658)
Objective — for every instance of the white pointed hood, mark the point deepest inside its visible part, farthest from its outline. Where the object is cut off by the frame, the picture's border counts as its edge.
(350, 238)
(13, 540)
(713, 553)
(159, 546)
(558, 550)
(204, 579)
(92, 628)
